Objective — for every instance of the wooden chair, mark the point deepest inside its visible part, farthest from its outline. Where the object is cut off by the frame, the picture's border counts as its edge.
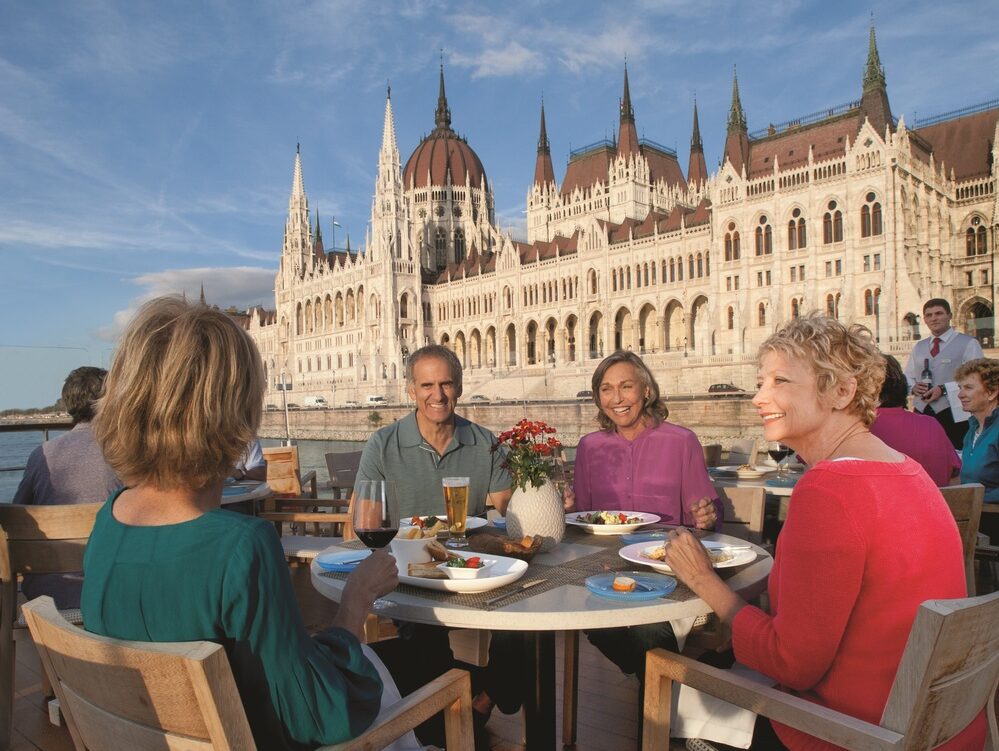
(743, 512)
(343, 468)
(146, 696)
(947, 676)
(743, 451)
(35, 540)
(712, 454)
(284, 476)
(965, 502)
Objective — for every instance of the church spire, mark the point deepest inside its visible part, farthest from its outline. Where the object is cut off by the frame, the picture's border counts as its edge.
(874, 74)
(874, 104)
(736, 114)
(443, 115)
(628, 136)
(297, 228)
(737, 141)
(544, 174)
(697, 169)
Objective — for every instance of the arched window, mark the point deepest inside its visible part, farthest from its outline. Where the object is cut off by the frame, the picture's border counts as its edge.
(593, 281)
(672, 270)
(982, 245)
(795, 308)
(441, 247)
(870, 216)
(792, 235)
(732, 250)
(679, 269)
(969, 242)
(736, 251)
(700, 265)
(731, 318)
(459, 245)
(764, 237)
(831, 306)
(802, 234)
(761, 314)
(865, 221)
(690, 266)
(976, 240)
(404, 306)
(707, 262)
(613, 280)
(838, 227)
(868, 303)
(832, 225)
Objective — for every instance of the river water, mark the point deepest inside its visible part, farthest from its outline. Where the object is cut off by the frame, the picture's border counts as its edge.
(15, 448)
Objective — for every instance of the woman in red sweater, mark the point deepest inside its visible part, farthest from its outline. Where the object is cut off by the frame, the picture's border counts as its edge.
(868, 536)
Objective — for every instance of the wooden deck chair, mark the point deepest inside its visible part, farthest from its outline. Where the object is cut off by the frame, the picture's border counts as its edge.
(343, 468)
(47, 539)
(947, 676)
(965, 502)
(743, 451)
(284, 476)
(712, 454)
(145, 695)
(743, 512)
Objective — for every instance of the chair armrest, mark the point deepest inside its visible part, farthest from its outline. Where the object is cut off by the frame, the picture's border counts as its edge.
(788, 709)
(309, 478)
(320, 517)
(450, 693)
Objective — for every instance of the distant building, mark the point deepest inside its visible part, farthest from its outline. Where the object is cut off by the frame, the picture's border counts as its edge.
(847, 211)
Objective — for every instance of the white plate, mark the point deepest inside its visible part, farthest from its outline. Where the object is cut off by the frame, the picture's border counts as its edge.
(745, 473)
(633, 553)
(503, 571)
(472, 522)
(610, 529)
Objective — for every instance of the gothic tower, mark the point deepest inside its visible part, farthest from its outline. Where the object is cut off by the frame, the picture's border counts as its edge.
(297, 253)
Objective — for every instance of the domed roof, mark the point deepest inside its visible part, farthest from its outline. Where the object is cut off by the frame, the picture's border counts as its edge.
(443, 155)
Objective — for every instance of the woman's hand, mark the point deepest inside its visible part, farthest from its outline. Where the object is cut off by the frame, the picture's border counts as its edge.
(374, 577)
(704, 513)
(687, 557)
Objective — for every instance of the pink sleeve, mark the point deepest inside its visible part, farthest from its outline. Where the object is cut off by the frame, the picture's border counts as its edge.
(696, 482)
(797, 645)
(581, 479)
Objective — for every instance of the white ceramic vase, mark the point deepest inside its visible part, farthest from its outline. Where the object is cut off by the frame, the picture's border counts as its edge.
(536, 511)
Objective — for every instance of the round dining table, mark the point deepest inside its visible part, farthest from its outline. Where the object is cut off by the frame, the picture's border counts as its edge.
(551, 596)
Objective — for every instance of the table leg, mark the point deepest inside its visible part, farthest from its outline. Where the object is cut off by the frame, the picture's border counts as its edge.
(539, 694)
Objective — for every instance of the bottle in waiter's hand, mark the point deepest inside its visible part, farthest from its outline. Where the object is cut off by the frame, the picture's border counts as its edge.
(926, 377)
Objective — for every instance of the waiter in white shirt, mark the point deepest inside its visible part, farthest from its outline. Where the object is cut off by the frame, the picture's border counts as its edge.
(945, 349)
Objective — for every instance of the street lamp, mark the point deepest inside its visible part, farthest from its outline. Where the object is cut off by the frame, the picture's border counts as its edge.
(551, 360)
(284, 399)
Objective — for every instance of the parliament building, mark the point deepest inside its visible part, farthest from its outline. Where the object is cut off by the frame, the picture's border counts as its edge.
(848, 211)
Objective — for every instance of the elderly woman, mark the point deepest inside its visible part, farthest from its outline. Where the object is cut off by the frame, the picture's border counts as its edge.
(638, 461)
(978, 391)
(166, 563)
(915, 435)
(843, 590)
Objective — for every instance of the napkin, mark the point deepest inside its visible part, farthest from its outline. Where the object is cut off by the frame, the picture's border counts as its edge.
(697, 715)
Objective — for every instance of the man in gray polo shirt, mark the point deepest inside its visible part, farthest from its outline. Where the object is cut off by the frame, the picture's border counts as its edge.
(432, 443)
(416, 453)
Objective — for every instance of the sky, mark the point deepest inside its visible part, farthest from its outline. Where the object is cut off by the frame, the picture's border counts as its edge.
(147, 147)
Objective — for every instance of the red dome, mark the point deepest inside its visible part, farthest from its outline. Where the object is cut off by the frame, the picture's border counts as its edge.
(441, 153)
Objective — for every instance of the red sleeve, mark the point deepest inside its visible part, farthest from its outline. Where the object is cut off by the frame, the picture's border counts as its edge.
(818, 577)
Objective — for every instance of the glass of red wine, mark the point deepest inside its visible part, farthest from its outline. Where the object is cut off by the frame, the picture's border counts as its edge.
(375, 515)
(779, 452)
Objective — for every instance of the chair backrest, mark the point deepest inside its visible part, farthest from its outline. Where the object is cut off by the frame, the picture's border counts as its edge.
(712, 454)
(744, 509)
(283, 476)
(965, 502)
(343, 467)
(137, 695)
(948, 670)
(743, 451)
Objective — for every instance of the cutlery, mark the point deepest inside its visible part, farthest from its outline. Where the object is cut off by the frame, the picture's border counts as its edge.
(519, 589)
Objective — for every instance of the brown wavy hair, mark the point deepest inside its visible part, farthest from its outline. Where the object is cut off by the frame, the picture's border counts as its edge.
(985, 368)
(653, 407)
(183, 398)
(835, 352)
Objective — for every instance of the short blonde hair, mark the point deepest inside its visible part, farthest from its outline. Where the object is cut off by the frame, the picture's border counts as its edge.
(985, 368)
(183, 398)
(835, 352)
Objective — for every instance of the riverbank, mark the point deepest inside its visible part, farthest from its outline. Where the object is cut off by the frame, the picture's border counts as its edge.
(714, 420)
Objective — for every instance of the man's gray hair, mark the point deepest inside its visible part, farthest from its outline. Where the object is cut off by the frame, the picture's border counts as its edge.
(441, 353)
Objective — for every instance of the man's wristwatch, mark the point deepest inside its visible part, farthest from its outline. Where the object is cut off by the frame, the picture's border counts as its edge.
(943, 389)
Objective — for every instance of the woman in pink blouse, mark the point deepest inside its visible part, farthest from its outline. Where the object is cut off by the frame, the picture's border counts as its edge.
(639, 462)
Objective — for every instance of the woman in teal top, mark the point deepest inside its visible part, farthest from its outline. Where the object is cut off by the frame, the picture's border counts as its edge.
(166, 563)
(978, 383)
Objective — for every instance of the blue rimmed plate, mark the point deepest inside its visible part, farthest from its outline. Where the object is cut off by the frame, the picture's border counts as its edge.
(644, 535)
(344, 561)
(649, 586)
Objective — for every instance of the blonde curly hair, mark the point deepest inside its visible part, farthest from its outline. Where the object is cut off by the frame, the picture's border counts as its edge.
(835, 352)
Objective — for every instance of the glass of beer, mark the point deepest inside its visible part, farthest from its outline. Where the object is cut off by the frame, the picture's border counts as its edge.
(456, 503)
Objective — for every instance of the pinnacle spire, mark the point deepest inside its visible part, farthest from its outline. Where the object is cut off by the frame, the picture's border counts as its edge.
(201, 297)
(544, 174)
(736, 114)
(874, 74)
(695, 137)
(297, 183)
(544, 147)
(388, 128)
(443, 114)
(627, 111)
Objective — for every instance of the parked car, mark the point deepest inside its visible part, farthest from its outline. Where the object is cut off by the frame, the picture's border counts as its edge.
(478, 398)
(375, 400)
(585, 394)
(724, 389)
(350, 403)
(292, 405)
(316, 402)
(272, 408)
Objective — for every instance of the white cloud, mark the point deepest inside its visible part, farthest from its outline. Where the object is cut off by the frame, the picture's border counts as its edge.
(512, 59)
(240, 287)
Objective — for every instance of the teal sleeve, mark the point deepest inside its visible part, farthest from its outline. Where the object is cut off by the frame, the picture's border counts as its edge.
(318, 690)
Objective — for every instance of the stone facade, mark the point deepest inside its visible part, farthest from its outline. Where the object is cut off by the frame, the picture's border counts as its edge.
(846, 211)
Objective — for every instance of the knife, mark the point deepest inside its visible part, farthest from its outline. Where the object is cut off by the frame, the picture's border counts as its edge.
(519, 589)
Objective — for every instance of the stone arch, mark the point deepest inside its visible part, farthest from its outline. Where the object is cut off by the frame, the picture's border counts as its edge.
(648, 328)
(510, 344)
(571, 324)
(624, 329)
(674, 333)
(977, 316)
(308, 317)
(699, 325)
(594, 335)
(299, 320)
(338, 309)
(490, 343)
(328, 312)
(550, 327)
(910, 327)
(445, 339)
(460, 349)
(531, 343)
(475, 349)
(351, 306)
